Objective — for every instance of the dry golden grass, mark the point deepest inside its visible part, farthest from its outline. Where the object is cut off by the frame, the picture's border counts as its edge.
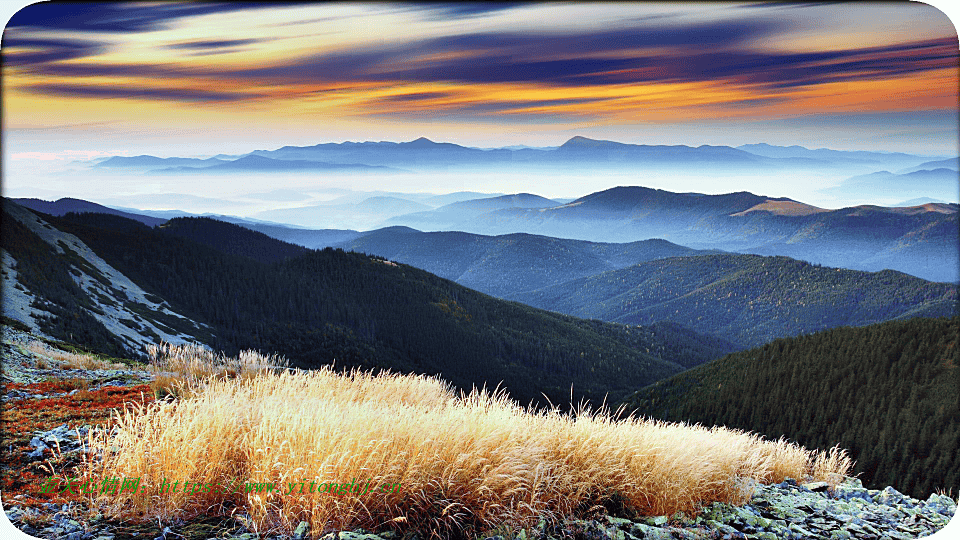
(194, 363)
(181, 370)
(477, 460)
(69, 359)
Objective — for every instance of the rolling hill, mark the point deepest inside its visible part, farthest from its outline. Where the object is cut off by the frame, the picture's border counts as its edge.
(510, 264)
(365, 214)
(942, 183)
(66, 204)
(885, 392)
(922, 241)
(952, 163)
(356, 310)
(747, 299)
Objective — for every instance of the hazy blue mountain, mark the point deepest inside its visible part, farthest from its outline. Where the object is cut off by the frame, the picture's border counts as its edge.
(256, 163)
(153, 162)
(584, 149)
(458, 196)
(422, 154)
(506, 265)
(451, 216)
(309, 238)
(64, 205)
(366, 214)
(425, 154)
(917, 202)
(747, 299)
(940, 183)
(177, 203)
(880, 159)
(519, 200)
(921, 241)
(951, 163)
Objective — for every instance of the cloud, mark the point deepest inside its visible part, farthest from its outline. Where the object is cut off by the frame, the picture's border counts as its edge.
(19, 51)
(213, 44)
(720, 34)
(532, 110)
(465, 10)
(120, 17)
(417, 96)
(159, 72)
(781, 70)
(117, 92)
(662, 51)
(512, 57)
(616, 57)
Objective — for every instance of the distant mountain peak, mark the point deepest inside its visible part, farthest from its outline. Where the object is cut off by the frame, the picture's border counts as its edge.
(422, 142)
(253, 158)
(583, 142)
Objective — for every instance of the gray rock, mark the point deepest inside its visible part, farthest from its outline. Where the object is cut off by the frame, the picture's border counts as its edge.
(301, 530)
(14, 513)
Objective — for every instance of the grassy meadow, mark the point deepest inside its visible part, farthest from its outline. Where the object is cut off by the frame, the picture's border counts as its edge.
(464, 462)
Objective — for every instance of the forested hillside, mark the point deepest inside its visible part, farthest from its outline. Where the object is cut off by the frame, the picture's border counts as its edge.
(747, 299)
(231, 239)
(888, 393)
(356, 310)
(509, 264)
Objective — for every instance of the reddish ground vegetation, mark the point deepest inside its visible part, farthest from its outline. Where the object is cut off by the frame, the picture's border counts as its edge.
(21, 419)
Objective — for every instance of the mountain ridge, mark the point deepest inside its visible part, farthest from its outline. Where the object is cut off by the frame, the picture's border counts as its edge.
(367, 313)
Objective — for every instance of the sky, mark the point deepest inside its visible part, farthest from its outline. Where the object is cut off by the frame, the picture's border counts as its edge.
(170, 79)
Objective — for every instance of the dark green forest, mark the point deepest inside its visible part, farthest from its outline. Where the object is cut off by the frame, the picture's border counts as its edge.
(747, 299)
(888, 393)
(350, 309)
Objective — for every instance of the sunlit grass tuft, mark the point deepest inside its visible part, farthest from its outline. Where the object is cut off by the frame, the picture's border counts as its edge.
(69, 359)
(462, 461)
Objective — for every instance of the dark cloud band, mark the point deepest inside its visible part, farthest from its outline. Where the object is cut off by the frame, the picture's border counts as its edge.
(118, 92)
(121, 17)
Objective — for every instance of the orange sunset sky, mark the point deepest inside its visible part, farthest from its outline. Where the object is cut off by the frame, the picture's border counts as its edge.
(675, 73)
(197, 79)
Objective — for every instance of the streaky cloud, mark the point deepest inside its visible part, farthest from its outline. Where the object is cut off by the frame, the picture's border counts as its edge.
(117, 92)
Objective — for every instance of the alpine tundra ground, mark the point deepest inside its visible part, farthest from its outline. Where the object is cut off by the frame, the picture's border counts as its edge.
(476, 465)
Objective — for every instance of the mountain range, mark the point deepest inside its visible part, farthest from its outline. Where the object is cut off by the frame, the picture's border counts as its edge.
(661, 317)
(505, 266)
(231, 288)
(424, 154)
(921, 240)
(258, 163)
(940, 182)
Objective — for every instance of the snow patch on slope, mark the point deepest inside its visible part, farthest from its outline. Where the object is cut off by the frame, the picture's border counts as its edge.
(115, 295)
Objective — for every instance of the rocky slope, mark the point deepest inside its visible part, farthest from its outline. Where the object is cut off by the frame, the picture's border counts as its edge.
(121, 306)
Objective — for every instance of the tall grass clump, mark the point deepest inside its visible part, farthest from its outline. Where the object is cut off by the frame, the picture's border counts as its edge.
(463, 462)
(69, 359)
(181, 369)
